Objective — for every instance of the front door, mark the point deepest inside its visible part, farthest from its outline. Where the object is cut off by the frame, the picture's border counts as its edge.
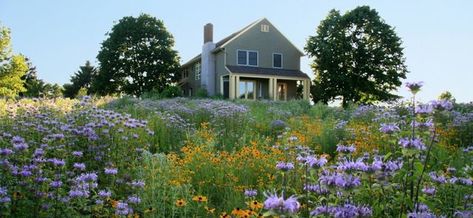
(282, 91)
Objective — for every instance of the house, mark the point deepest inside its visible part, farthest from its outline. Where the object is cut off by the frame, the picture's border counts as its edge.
(257, 62)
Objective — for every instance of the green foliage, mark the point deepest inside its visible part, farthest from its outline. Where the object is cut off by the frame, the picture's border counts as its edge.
(168, 92)
(34, 86)
(201, 93)
(136, 57)
(12, 67)
(357, 57)
(52, 91)
(81, 79)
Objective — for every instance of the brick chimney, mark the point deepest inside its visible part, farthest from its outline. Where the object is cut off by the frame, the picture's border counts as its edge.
(208, 33)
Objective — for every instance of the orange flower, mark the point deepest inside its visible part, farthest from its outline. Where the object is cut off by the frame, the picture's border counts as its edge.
(180, 202)
(199, 198)
(114, 203)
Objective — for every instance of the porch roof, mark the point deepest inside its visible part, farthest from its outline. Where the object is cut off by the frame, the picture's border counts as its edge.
(267, 71)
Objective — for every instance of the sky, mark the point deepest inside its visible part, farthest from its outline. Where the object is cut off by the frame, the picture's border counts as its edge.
(59, 36)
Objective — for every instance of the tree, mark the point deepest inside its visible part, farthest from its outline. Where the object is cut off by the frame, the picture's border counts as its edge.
(81, 79)
(137, 56)
(12, 67)
(52, 90)
(357, 58)
(34, 86)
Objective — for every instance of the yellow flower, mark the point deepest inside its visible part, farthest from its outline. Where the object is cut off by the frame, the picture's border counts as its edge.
(224, 215)
(255, 205)
(209, 210)
(180, 202)
(149, 210)
(199, 198)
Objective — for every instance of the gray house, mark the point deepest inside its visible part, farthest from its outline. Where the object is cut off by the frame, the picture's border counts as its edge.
(257, 62)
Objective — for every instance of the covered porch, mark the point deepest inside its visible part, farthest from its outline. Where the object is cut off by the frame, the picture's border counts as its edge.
(259, 85)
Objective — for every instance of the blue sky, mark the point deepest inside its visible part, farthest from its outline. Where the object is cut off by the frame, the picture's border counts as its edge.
(59, 36)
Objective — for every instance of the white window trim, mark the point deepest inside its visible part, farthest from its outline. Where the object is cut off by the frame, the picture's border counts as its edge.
(248, 58)
(246, 89)
(282, 58)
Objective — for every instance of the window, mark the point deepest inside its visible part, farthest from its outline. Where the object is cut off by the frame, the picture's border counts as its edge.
(248, 58)
(264, 28)
(277, 60)
(196, 69)
(247, 90)
(242, 57)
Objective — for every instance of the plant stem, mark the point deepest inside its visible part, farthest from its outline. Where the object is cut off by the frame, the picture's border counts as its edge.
(424, 167)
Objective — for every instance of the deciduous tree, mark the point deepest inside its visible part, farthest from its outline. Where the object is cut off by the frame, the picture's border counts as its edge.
(357, 57)
(12, 67)
(137, 56)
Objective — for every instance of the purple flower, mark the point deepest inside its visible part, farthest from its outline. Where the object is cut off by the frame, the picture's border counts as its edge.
(316, 189)
(357, 165)
(285, 166)
(111, 171)
(463, 214)
(55, 184)
(341, 180)
(250, 192)
(414, 87)
(442, 105)
(343, 211)
(313, 161)
(26, 173)
(75, 193)
(105, 194)
(415, 143)
(389, 128)
(429, 190)
(77, 153)
(123, 209)
(274, 202)
(79, 166)
(87, 177)
(98, 201)
(424, 109)
(134, 199)
(346, 148)
(291, 205)
(5, 151)
(138, 183)
(436, 178)
(57, 162)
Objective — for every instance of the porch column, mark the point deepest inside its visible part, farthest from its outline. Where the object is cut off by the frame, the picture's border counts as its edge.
(231, 87)
(237, 86)
(221, 85)
(270, 88)
(305, 89)
(275, 86)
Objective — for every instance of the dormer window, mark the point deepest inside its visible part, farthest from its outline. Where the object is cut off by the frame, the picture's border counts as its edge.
(277, 60)
(247, 58)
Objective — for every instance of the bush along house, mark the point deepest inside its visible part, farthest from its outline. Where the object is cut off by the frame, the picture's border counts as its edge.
(257, 62)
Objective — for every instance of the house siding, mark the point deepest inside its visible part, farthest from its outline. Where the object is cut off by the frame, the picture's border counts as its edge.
(266, 43)
(220, 69)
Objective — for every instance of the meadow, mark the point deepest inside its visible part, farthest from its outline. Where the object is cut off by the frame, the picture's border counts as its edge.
(180, 157)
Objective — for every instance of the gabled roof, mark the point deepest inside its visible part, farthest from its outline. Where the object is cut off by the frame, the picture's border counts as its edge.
(267, 71)
(220, 44)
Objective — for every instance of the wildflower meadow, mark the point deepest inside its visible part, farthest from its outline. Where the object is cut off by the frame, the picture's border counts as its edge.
(181, 157)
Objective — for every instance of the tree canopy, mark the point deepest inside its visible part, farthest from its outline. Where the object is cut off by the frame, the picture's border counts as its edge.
(12, 67)
(137, 56)
(357, 57)
(81, 79)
